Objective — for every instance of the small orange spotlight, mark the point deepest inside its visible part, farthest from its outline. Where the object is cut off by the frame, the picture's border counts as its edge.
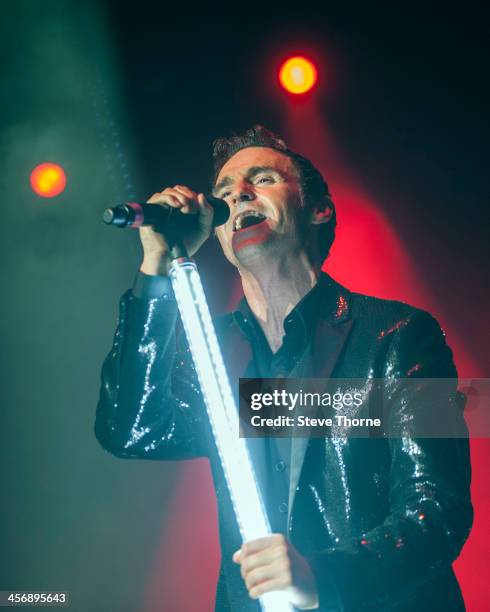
(48, 180)
(298, 75)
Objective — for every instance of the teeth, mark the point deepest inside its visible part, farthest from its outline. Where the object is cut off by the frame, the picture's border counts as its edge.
(237, 225)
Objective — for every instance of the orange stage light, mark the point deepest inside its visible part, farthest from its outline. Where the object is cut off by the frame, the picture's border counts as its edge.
(298, 75)
(48, 180)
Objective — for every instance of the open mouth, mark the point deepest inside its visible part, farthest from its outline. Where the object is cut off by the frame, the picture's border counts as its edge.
(247, 218)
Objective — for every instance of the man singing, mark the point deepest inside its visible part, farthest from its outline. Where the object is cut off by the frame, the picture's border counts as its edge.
(358, 524)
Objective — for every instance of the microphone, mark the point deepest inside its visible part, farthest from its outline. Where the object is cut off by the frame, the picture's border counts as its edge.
(163, 216)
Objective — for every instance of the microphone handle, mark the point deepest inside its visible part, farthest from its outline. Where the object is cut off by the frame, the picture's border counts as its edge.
(134, 214)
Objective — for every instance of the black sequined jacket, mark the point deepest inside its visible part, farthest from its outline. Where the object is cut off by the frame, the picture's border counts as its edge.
(379, 520)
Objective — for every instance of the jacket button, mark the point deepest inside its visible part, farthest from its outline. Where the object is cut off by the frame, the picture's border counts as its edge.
(281, 466)
(283, 507)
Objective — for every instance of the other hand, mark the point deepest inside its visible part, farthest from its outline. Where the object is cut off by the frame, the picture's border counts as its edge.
(273, 564)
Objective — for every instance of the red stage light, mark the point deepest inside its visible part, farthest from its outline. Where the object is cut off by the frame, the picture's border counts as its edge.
(48, 180)
(298, 75)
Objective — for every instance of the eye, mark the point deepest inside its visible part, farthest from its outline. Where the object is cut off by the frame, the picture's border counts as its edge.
(225, 194)
(262, 179)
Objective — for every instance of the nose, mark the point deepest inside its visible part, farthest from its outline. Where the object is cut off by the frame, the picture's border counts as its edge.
(241, 194)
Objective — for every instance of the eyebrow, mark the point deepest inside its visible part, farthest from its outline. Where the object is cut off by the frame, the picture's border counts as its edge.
(251, 172)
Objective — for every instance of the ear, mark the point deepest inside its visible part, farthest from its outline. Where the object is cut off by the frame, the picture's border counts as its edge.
(322, 213)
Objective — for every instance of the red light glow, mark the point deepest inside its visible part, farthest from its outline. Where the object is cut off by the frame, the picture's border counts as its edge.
(298, 75)
(48, 180)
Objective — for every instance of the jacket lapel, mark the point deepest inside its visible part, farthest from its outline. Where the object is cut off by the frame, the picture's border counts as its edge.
(332, 331)
(237, 354)
(331, 334)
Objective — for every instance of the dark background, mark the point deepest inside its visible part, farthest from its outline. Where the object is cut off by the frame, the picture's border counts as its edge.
(128, 99)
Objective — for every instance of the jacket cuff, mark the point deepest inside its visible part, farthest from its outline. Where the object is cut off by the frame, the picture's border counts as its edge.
(148, 287)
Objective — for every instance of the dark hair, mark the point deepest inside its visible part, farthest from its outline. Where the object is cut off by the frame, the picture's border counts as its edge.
(313, 186)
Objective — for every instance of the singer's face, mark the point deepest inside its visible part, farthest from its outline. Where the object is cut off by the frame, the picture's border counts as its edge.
(262, 189)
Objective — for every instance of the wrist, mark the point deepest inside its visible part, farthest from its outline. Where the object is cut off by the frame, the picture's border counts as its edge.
(156, 265)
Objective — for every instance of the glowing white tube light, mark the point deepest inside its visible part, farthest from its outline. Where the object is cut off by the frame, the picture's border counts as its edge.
(222, 412)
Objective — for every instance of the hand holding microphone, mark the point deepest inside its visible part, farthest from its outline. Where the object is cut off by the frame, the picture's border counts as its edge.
(192, 232)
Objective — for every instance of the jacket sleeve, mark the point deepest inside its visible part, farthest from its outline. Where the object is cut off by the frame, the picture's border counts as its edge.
(430, 509)
(150, 404)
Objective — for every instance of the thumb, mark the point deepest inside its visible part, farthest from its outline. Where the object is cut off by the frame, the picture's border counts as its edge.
(237, 556)
(206, 211)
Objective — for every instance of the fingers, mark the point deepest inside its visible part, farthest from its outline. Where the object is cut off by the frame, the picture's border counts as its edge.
(259, 544)
(204, 205)
(275, 572)
(273, 564)
(185, 191)
(248, 549)
(265, 557)
(180, 197)
(279, 567)
(264, 561)
(188, 202)
(275, 584)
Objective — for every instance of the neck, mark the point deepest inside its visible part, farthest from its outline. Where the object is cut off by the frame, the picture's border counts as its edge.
(273, 288)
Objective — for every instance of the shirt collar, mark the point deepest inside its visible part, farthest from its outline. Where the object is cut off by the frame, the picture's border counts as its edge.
(302, 319)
